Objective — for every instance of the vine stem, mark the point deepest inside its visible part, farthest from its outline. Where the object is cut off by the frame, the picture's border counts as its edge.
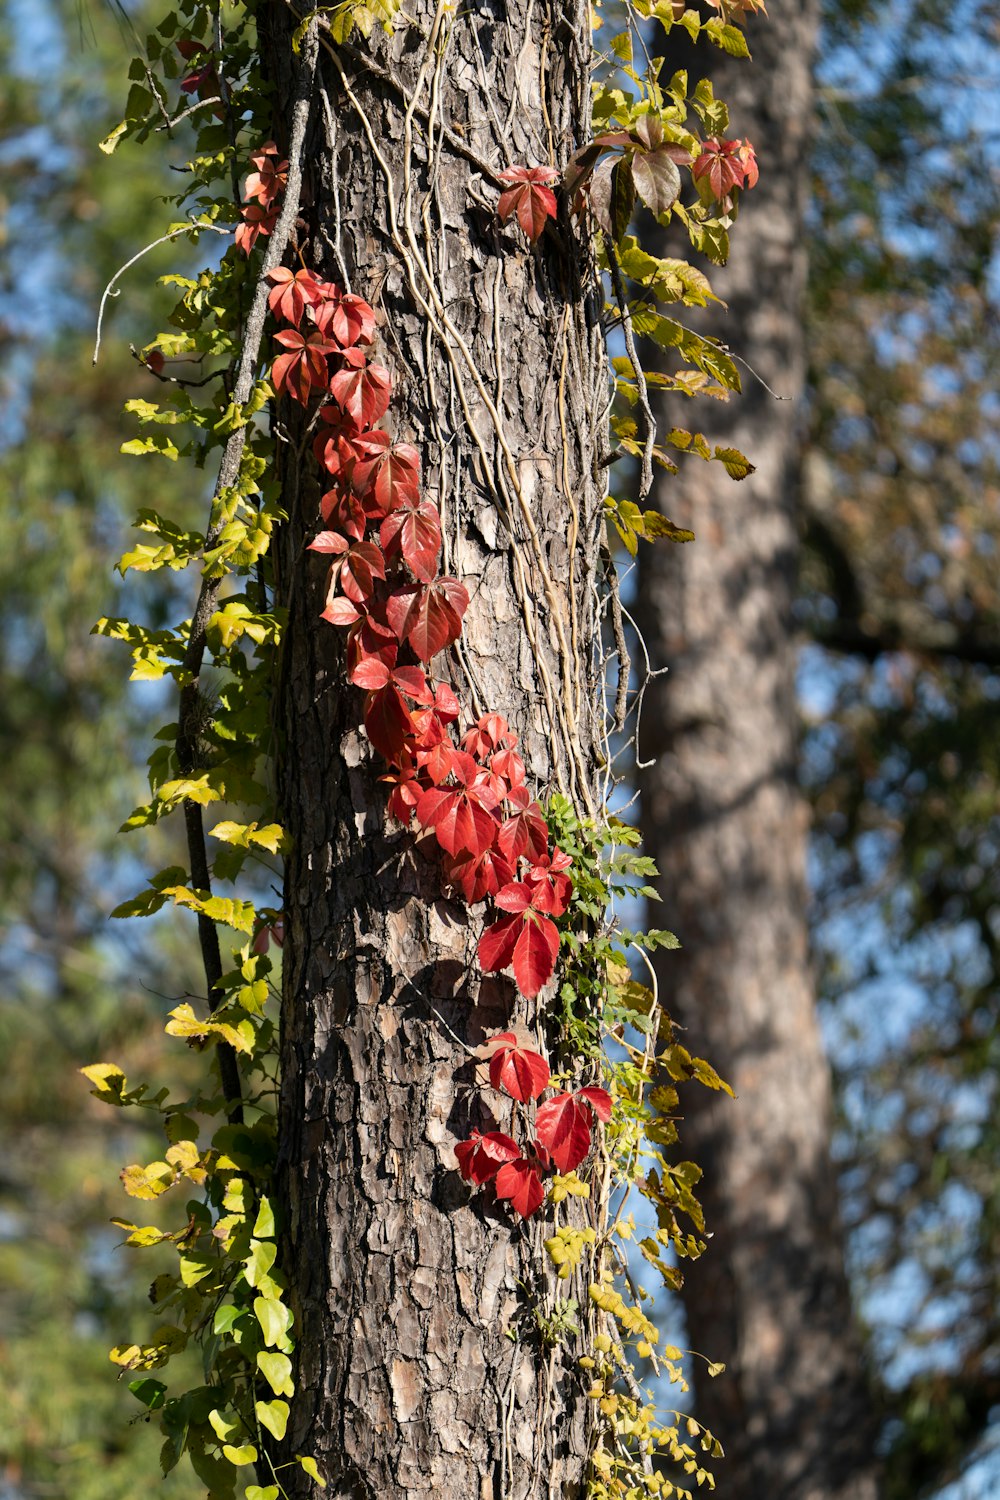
(208, 594)
(646, 476)
(109, 290)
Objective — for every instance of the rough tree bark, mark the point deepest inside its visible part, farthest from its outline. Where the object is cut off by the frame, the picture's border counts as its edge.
(723, 818)
(405, 1290)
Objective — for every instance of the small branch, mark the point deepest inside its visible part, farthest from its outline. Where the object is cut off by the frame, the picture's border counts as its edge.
(759, 378)
(618, 286)
(621, 646)
(189, 715)
(109, 291)
(173, 379)
(198, 104)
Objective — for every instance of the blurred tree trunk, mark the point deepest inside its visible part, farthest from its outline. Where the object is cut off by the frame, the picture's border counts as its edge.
(724, 820)
(420, 1369)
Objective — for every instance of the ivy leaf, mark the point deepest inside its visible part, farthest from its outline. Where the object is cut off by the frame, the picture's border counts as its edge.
(273, 1415)
(521, 1182)
(414, 530)
(563, 1126)
(530, 196)
(657, 179)
(481, 1156)
(518, 1070)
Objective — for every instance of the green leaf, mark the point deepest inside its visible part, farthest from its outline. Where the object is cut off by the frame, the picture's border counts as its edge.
(263, 1254)
(264, 1226)
(222, 1425)
(277, 1371)
(152, 1393)
(273, 1415)
(309, 1465)
(247, 1454)
(261, 1492)
(736, 464)
(274, 1318)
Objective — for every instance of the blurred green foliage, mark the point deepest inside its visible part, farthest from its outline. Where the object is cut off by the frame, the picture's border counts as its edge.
(75, 988)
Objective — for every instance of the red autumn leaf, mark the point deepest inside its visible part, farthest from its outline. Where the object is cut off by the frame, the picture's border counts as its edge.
(480, 875)
(406, 788)
(521, 1182)
(341, 611)
(343, 317)
(291, 293)
(362, 391)
(719, 166)
(460, 815)
(203, 80)
(491, 732)
(482, 1156)
(303, 368)
(338, 444)
(599, 1100)
(369, 636)
(564, 1126)
(518, 1070)
(387, 721)
(270, 179)
(525, 940)
(343, 511)
(748, 158)
(530, 196)
(390, 474)
(525, 830)
(255, 221)
(428, 615)
(413, 529)
(550, 884)
(357, 567)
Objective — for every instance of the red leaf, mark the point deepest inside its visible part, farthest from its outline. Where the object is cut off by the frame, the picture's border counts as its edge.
(490, 734)
(435, 617)
(519, 1071)
(343, 317)
(371, 674)
(530, 197)
(496, 946)
(520, 1181)
(535, 954)
(390, 474)
(599, 1100)
(481, 1156)
(563, 1126)
(414, 529)
(291, 293)
(363, 393)
(480, 875)
(525, 831)
(388, 721)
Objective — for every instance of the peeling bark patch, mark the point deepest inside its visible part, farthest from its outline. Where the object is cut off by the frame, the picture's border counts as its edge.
(406, 1391)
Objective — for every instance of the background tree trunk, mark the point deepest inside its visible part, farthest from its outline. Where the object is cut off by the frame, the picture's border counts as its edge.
(406, 1292)
(723, 818)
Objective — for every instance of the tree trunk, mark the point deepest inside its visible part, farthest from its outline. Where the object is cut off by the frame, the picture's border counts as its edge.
(723, 819)
(418, 1371)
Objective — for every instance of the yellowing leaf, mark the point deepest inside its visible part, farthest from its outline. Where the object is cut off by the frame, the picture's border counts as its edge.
(273, 1415)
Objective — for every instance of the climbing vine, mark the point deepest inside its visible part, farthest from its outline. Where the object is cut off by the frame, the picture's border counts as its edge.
(260, 343)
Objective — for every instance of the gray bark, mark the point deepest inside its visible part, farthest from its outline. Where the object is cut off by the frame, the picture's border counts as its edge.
(405, 1285)
(724, 820)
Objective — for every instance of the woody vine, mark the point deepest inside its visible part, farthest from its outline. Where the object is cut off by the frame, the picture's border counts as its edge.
(290, 364)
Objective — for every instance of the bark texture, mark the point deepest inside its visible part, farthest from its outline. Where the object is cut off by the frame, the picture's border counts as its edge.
(724, 820)
(420, 1371)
